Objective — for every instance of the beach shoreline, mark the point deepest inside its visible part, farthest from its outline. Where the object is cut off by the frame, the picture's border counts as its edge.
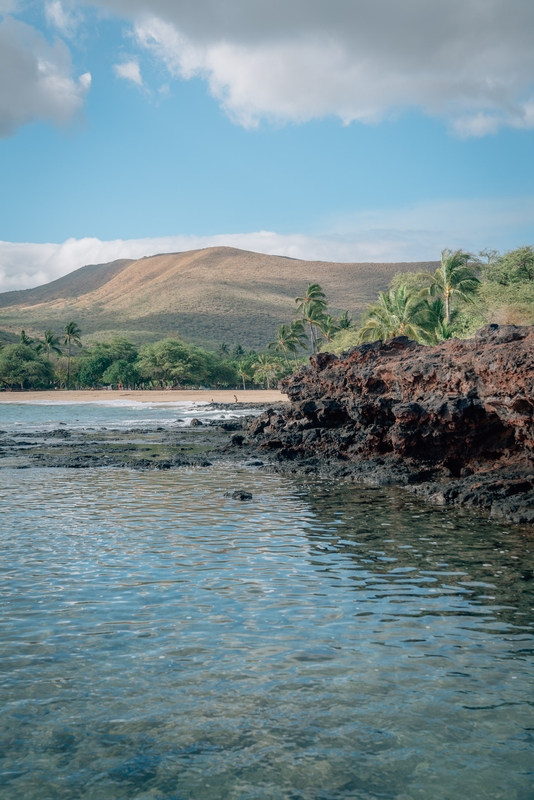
(227, 396)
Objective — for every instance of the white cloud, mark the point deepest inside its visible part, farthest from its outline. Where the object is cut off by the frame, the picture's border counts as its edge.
(415, 233)
(469, 61)
(85, 81)
(482, 123)
(130, 71)
(66, 21)
(35, 78)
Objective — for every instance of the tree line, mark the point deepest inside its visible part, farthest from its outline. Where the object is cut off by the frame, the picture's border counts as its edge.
(62, 362)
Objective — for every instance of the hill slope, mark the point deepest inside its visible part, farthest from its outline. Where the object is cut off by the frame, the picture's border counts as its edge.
(208, 296)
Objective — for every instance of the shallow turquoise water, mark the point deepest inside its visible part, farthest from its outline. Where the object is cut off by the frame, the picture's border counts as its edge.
(159, 640)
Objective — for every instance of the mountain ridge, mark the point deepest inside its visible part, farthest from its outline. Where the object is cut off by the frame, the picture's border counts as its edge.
(47, 290)
(208, 296)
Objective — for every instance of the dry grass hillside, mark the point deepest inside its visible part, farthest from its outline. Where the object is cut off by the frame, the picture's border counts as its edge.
(209, 296)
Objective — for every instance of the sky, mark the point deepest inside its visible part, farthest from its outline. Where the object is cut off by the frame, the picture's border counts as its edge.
(343, 130)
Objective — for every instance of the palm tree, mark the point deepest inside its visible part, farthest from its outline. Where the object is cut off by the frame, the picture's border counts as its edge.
(311, 308)
(245, 372)
(315, 317)
(288, 339)
(399, 312)
(314, 294)
(281, 343)
(298, 338)
(50, 344)
(441, 329)
(72, 336)
(25, 339)
(265, 369)
(345, 321)
(329, 327)
(454, 277)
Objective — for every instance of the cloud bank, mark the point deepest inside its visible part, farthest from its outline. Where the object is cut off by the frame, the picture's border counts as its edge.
(416, 233)
(468, 61)
(35, 78)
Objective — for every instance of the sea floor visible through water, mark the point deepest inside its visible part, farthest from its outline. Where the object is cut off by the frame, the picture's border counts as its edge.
(159, 639)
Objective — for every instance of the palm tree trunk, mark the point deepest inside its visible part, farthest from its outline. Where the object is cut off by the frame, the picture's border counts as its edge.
(68, 368)
(285, 356)
(312, 338)
(447, 306)
(315, 339)
(244, 387)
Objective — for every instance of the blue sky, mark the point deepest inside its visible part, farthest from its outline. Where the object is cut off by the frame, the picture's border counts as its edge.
(253, 129)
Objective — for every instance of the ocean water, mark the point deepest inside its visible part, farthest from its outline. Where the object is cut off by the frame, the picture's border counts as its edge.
(323, 641)
(111, 414)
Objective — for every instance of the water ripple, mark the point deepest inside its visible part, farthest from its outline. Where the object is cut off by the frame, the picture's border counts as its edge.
(160, 640)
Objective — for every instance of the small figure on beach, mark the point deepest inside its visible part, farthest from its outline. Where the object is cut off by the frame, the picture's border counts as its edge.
(235, 398)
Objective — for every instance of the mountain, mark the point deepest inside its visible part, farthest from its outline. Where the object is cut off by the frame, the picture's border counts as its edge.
(208, 296)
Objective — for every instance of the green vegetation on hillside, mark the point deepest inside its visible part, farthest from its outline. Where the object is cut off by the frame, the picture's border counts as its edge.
(206, 297)
(463, 294)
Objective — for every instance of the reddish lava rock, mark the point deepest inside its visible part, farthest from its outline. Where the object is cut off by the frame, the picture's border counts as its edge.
(454, 421)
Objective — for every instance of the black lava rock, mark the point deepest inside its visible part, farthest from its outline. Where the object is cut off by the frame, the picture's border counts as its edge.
(239, 494)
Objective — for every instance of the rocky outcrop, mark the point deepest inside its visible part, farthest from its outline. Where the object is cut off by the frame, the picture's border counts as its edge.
(450, 421)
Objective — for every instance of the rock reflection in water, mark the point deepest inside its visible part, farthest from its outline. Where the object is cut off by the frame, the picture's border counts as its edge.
(162, 640)
(488, 563)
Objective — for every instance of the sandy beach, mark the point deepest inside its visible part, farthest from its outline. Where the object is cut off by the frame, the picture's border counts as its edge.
(168, 396)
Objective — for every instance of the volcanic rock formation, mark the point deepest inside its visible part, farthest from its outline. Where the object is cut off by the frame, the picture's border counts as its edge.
(454, 421)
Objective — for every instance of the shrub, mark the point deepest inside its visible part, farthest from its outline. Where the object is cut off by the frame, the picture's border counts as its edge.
(21, 366)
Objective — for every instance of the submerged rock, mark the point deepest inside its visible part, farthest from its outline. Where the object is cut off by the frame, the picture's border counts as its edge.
(239, 494)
